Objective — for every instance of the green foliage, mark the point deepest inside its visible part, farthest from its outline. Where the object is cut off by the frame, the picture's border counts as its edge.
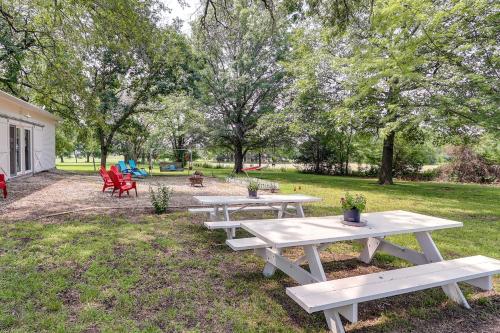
(410, 157)
(109, 60)
(65, 139)
(242, 47)
(178, 124)
(357, 201)
(160, 198)
(253, 186)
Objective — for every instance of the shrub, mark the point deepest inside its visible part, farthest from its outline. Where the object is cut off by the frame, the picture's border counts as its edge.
(466, 166)
(160, 198)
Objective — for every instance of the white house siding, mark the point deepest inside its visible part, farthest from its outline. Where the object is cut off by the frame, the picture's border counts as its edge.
(4, 146)
(26, 116)
(45, 148)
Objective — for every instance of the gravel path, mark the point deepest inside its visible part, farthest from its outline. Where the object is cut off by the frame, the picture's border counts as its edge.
(57, 191)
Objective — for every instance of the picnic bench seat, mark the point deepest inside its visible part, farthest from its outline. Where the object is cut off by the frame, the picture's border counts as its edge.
(342, 296)
(249, 243)
(210, 210)
(222, 225)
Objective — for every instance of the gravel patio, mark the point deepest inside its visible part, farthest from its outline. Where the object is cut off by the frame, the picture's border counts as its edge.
(56, 192)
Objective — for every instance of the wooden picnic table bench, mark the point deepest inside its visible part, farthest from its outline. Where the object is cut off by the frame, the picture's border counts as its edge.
(341, 297)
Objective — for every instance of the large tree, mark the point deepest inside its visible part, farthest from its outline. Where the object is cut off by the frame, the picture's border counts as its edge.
(242, 48)
(124, 62)
(178, 126)
(407, 73)
(109, 60)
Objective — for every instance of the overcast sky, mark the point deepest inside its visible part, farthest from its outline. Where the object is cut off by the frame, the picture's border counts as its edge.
(186, 14)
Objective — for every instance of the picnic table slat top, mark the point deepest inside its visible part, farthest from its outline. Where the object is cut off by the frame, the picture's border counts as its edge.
(329, 229)
(262, 199)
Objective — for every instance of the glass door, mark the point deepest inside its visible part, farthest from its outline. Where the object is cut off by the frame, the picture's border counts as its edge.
(27, 150)
(18, 150)
(12, 150)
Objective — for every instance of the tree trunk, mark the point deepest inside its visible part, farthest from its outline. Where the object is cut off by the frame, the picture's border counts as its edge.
(238, 158)
(88, 157)
(76, 158)
(385, 175)
(260, 159)
(61, 158)
(104, 154)
(317, 162)
(93, 161)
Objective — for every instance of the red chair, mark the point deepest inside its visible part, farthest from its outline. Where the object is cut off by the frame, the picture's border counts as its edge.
(106, 179)
(120, 185)
(126, 178)
(3, 185)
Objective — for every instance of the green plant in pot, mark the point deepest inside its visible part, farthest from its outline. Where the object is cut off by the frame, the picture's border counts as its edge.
(353, 205)
(253, 187)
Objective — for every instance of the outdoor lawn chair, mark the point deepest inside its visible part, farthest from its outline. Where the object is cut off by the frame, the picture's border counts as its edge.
(3, 185)
(122, 177)
(123, 169)
(121, 186)
(105, 178)
(134, 168)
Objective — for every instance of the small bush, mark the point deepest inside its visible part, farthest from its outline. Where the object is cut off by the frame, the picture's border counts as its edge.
(160, 198)
(466, 166)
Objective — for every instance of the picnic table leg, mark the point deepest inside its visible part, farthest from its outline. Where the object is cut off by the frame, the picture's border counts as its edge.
(215, 214)
(432, 254)
(282, 210)
(332, 317)
(231, 233)
(371, 247)
(270, 269)
(300, 210)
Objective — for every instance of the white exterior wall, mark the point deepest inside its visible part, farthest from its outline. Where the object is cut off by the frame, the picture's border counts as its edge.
(44, 148)
(4, 146)
(43, 137)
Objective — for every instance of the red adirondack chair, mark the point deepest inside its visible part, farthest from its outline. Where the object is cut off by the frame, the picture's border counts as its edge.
(106, 179)
(126, 178)
(121, 186)
(3, 185)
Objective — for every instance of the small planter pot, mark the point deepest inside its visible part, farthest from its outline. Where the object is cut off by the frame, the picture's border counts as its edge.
(252, 194)
(352, 215)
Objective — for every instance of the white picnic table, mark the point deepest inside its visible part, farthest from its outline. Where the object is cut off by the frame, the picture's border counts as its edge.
(222, 203)
(314, 234)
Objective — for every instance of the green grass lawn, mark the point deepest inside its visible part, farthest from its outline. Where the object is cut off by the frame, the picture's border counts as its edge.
(167, 273)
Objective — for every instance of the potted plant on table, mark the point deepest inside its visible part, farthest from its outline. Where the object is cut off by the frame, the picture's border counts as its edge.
(253, 187)
(353, 205)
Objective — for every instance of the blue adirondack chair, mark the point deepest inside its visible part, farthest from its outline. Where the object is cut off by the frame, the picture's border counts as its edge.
(135, 169)
(123, 169)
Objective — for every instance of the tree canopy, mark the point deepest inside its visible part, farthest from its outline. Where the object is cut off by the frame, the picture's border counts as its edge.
(327, 82)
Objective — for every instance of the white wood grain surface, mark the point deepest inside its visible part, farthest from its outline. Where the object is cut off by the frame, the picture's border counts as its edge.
(317, 230)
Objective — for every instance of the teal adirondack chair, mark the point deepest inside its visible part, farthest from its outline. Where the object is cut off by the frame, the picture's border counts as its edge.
(135, 169)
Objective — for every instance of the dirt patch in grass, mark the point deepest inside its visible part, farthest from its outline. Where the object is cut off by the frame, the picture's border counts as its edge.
(54, 192)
